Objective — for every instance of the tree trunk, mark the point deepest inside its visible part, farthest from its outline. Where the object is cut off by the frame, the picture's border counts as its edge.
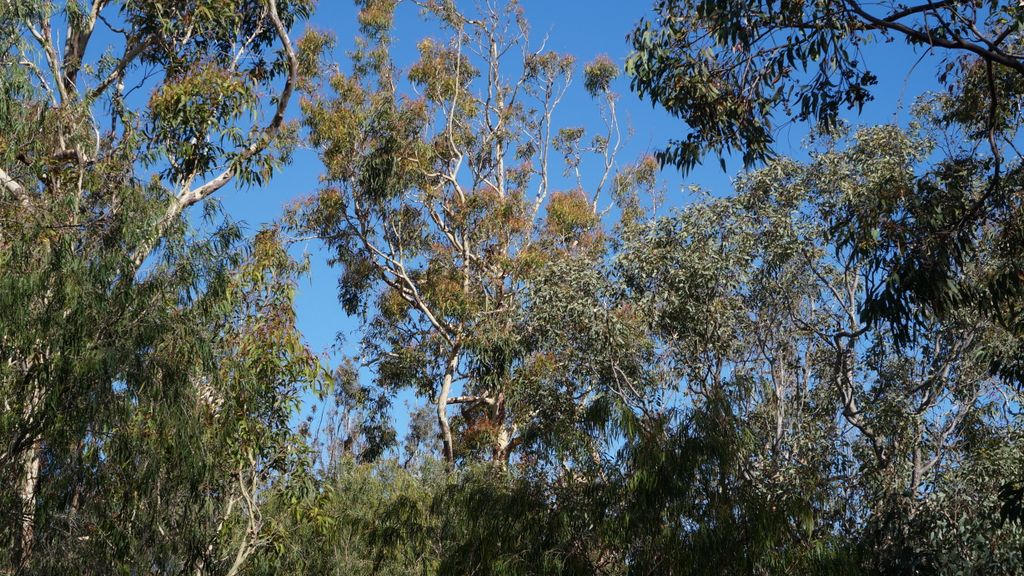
(503, 441)
(502, 447)
(442, 404)
(29, 481)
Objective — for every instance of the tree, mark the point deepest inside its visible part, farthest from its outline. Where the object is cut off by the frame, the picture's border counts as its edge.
(813, 374)
(730, 69)
(195, 428)
(114, 309)
(727, 69)
(440, 204)
(752, 422)
(809, 439)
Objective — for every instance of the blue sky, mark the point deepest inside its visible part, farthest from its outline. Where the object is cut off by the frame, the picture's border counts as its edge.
(585, 29)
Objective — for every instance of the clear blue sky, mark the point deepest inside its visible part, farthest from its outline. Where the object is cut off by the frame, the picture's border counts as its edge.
(585, 29)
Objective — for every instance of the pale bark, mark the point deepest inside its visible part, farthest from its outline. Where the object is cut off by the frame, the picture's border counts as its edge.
(14, 187)
(27, 491)
(442, 403)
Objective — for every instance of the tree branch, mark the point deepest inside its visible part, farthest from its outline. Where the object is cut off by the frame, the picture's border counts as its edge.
(266, 135)
(885, 24)
(14, 187)
(471, 400)
(257, 145)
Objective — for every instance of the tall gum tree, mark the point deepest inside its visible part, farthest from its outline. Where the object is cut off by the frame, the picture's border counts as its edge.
(442, 199)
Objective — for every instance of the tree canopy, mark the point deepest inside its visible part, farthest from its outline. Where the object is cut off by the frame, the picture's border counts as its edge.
(559, 365)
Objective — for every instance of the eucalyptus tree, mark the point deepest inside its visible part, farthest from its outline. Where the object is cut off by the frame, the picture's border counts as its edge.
(728, 70)
(116, 315)
(441, 200)
(733, 71)
(800, 423)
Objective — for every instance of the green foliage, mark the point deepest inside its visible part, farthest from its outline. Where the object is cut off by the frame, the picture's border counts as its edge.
(186, 111)
(437, 207)
(705, 399)
(150, 370)
(728, 69)
(817, 374)
(940, 236)
(599, 74)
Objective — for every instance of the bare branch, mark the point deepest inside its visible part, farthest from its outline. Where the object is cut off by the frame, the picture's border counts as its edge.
(14, 187)
(471, 400)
